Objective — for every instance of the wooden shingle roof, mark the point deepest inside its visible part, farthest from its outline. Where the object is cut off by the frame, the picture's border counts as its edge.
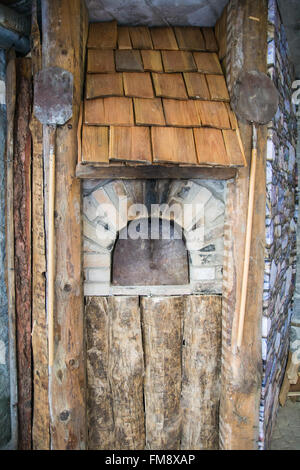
(156, 96)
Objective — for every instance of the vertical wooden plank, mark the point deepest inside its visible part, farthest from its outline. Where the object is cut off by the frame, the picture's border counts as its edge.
(241, 369)
(162, 333)
(9, 239)
(64, 42)
(99, 398)
(22, 226)
(126, 372)
(201, 372)
(41, 417)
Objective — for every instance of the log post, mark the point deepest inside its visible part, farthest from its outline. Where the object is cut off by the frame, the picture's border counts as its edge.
(64, 39)
(242, 369)
(22, 229)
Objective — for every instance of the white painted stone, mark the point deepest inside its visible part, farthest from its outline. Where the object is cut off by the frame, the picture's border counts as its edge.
(98, 275)
(2, 352)
(96, 260)
(202, 274)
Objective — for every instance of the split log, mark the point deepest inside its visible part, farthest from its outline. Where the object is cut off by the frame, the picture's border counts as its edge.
(9, 239)
(201, 374)
(126, 372)
(64, 44)
(99, 396)
(162, 332)
(22, 229)
(41, 417)
(242, 370)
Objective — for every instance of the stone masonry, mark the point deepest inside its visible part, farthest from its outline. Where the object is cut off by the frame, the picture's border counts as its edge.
(203, 224)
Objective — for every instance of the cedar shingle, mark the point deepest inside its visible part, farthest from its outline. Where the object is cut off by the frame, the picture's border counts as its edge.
(190, 38)
(99, 61)
(181, 113)
(140, 37)
(152, 61)
(169, 85)
(213, 114)
(124, 41)
(138, 85)
(210, 147)
(104, 84)
(232, 117)
(95, 144)
(178, 61)
(208, 62)
(130, 144)
(173, 145)
(164, 38)
(196, 85)
(148, 112)
(102, 35)
(109, 111)
(217, 87)
(129, 61)
(210, 40)
(234, 148)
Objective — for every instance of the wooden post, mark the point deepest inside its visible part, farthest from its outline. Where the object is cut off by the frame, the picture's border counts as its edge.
(22, 229)
(41, 418)
(65, 28)
(242, 370)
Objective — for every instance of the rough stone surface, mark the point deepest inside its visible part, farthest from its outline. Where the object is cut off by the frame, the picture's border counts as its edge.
(4, 364)
(105, 214)
(286, 434)
(157, 12)
(280, 253)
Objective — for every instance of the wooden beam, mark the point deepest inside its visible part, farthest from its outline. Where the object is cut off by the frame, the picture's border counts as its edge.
(201, 367)
(65, 26)
(22, 229)
(242, 369)
(153, 172)
(41, 415)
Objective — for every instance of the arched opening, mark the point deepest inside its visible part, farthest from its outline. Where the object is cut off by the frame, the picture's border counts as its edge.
(150, 252)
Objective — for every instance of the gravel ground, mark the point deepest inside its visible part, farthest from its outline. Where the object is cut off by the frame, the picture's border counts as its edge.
(286, 434)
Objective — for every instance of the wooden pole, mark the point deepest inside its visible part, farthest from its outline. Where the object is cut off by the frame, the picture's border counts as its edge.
(248, 240)
(65, 27)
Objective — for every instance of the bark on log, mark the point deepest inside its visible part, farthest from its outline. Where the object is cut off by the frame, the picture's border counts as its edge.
(65, 26)
(99, 396)
(41, 416)
(162, 332)
(201, 364)
(22, 225)
(126, 372)
(242, 370)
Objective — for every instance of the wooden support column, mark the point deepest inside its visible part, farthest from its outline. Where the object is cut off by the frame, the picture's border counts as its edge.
(22, 229)
(41, 417)
(242, 370)
(65, 28)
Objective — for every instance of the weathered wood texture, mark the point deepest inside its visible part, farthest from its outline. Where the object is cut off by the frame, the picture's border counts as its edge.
(41, 416)
(126, 371)
(115, 369)
(64, 41)
(9, 239)
(241, 370)
(162, 332)
(201, 364)
(22, 229)
(99, 397)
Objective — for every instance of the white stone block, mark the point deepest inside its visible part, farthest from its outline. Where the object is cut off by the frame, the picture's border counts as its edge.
(98, 275)
(202, 274)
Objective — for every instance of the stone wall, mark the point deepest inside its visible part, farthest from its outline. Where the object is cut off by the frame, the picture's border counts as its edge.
(280, 253)
(103, 217)
(5, 424)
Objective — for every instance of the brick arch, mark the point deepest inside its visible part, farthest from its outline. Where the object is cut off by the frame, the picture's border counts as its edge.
(104, 213)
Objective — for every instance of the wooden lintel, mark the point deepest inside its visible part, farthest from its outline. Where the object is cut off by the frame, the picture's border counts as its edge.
(154, 172)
